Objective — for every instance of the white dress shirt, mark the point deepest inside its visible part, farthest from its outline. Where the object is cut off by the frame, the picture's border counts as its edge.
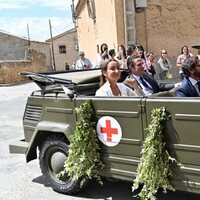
(146, 91)
(83, 64)
(105, 90)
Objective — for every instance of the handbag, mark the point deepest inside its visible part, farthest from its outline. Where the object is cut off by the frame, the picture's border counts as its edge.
(169, 74)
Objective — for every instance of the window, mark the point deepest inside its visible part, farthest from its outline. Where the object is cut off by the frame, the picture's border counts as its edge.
(91, 9)
(62, 49)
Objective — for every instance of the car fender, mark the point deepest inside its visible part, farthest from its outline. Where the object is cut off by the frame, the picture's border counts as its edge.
(43, 130)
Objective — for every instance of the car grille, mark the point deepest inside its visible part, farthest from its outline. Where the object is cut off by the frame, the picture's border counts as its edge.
(33, 113)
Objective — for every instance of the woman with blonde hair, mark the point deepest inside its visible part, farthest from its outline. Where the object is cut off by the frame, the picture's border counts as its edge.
(164, 65)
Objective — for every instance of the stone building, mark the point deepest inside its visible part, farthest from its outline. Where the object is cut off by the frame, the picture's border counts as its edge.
(156, 24)
(19, 54)
(65, 48)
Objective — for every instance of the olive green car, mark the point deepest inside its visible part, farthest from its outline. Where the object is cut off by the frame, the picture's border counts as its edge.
(49, 120)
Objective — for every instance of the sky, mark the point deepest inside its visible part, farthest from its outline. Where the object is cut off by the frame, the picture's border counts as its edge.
(19, 16)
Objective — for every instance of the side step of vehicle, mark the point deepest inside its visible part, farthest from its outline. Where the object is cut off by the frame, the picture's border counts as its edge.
(19, 147)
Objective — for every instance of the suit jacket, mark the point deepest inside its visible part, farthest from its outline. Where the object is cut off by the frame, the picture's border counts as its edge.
(154, 84)
(186, 89)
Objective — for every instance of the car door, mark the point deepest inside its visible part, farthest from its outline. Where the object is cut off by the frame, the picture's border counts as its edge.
(122, 159)
(182, 135)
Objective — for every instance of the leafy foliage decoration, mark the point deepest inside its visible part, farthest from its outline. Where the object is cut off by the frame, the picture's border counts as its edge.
(154, 169)
(84, 160)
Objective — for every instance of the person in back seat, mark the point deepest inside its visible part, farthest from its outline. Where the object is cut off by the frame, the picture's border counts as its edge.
(109, 85)
(191, 82)
(148, 85)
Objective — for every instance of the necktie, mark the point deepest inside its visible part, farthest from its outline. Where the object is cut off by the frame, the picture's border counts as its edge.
(145, 84)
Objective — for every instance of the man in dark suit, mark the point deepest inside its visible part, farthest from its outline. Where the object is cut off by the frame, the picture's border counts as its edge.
(191, 83)
(146, 83)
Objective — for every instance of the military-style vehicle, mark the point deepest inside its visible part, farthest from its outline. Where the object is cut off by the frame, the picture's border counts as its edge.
(49, 120)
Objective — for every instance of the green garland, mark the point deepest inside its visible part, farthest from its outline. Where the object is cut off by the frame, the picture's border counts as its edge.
(84, 160)
(154, 169)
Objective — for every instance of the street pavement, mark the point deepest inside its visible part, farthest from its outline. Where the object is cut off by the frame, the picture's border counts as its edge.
(23, 181)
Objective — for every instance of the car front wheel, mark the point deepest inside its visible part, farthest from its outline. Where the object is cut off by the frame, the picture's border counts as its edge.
(53, 154)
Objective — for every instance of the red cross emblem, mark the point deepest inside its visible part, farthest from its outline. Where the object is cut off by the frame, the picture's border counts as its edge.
(109, 130)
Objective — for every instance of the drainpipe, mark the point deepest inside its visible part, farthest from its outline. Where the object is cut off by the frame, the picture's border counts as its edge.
(125, 24)
(146, 32)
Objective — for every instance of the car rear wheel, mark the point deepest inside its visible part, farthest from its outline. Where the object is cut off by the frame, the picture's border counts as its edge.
(53, 154)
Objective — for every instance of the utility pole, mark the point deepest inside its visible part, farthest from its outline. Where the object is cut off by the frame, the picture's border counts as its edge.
(27, 50)
(52, 48)
(28, 36)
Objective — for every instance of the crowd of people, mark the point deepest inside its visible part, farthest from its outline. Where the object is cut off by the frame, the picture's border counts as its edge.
(143, 70)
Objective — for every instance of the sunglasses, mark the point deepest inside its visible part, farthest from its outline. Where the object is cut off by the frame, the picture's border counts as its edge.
(164, 52)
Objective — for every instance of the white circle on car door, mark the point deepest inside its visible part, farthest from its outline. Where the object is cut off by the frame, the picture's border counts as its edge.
(109, 131)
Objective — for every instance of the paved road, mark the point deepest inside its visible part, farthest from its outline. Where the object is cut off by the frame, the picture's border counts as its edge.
(20, 180)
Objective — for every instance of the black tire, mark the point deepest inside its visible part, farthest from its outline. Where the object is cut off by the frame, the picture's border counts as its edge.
(53, 153)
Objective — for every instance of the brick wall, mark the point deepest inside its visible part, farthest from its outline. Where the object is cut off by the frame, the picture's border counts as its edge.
(9, 70)
(169, 24)
(44, 51)
(70, 41)
(164, 24)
